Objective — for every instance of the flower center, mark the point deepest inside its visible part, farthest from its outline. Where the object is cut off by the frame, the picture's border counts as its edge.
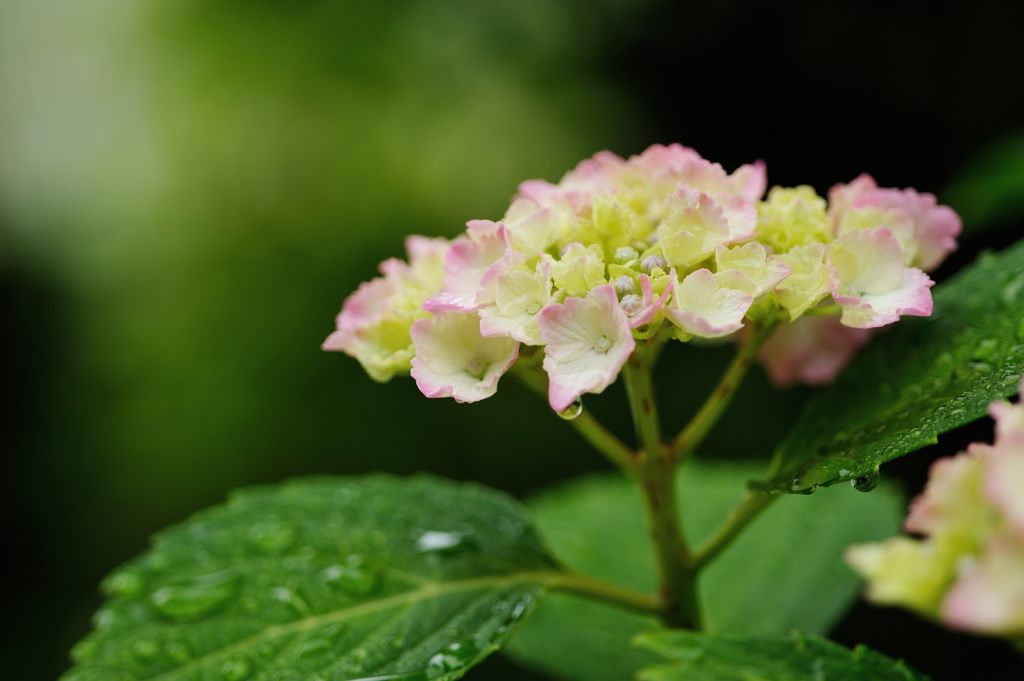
(603, 344)
(477, 367)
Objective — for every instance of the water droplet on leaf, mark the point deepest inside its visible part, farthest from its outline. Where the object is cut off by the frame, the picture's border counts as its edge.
(123, 583)
(235, 670)
(439, 542)
(272, 536)
(352, 576)
(195, 598)
(866, 482)
(146, 649)
(453, 658)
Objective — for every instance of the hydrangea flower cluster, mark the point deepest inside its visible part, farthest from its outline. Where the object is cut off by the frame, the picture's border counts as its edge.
(968, 570)
(664, 243)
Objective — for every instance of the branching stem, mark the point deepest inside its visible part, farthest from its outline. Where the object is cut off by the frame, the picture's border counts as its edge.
(741, 516)
(677, 579)
(585, 585)
(599, 437)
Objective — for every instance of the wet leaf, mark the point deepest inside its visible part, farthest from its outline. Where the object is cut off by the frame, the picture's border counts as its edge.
(922, 378)
(323, 579)
(701, 657)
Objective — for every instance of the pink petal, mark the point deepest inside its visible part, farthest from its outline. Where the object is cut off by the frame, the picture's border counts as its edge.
(453, 360)
(651, 306)
(702, 307)
(468, 263)
(811, 350)
(989, 597)
(588, 340)
(935, 227)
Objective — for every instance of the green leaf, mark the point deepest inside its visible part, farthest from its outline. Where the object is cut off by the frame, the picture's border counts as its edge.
(922, 378)
(989, 189)
(700, 657)
(326, 579)
(785, 572)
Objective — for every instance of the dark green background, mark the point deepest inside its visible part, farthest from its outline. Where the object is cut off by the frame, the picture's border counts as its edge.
(189, 189)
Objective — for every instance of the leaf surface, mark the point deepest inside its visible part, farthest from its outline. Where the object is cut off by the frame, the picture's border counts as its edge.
(785, 572)
(920, 379)
(702, 657)
(326, 579)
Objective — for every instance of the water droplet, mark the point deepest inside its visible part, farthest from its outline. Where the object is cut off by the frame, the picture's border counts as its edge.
(84, 651)
(123, 583)
(235, 670)
(573, 410)
(453, 658)
(1012, 290)
(986, 349)
(103, 618)
(439, 542)
(866, 482)
(288, 596)
(178, 652)
(980, 367)
(312, 649)
(146, 649)
(352, 576)
(195, 598)
(272, 536)
(797, 486)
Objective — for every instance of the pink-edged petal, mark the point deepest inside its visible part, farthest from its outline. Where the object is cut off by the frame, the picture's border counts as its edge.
(1004, 479)
(360, 310)
(519, 296)
(651, 306)
(576, 190)
(988, 597)
(912, 297)
(811, 350)
(453, 360)
(702, 307)
(668, 167)
(870, 282)
(468, 263)
(932, 227)
(588, 340)
(693, 228)
(952, 500)
(1009, 420)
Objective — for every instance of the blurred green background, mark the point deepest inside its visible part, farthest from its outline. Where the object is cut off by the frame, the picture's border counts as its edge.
(189, 189)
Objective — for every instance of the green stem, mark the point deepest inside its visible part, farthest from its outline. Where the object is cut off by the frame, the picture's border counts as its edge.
(677, 579)
(592, 587)
(741, 516)
(599, 437)
(694, 433)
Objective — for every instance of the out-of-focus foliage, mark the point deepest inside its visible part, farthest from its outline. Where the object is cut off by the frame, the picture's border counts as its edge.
(989, 190)
(597, 527)
(187, 190)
